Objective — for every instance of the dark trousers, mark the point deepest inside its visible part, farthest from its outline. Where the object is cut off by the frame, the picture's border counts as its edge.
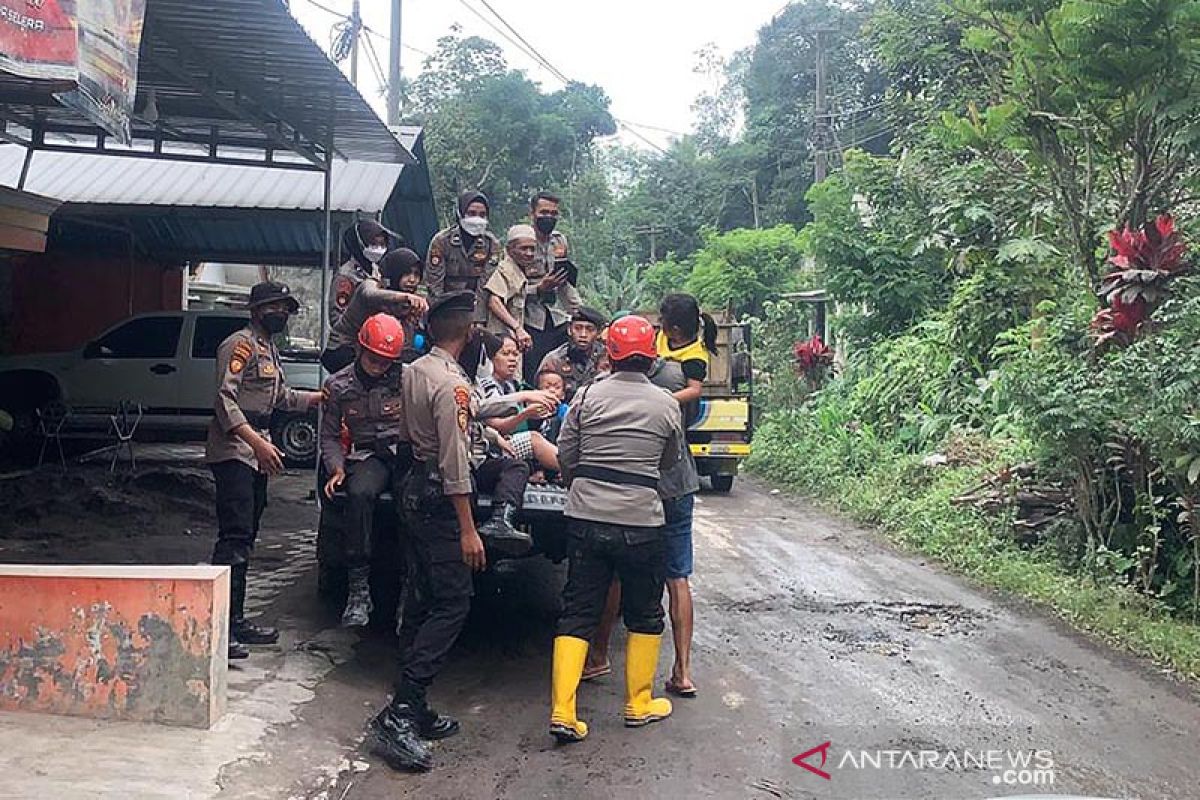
(543, 343)
(365, 481)
(504, 479)
(241, 498)
(599, 551)
(437, 595)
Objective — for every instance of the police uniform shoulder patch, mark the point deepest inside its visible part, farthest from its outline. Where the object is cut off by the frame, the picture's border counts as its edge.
(241, 354)
(462, 399)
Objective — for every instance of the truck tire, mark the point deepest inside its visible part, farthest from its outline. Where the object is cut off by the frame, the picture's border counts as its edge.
(722, 484)
(296, 436)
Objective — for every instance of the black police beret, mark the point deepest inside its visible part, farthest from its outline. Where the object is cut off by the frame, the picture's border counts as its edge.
(587, 314)
(452, 301)
(269, 292)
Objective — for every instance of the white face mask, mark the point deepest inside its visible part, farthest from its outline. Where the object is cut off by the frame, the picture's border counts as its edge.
(374, 252)
(473, 226)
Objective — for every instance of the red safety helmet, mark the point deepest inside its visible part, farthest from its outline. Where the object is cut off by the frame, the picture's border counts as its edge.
(383, 335)
(631, 336)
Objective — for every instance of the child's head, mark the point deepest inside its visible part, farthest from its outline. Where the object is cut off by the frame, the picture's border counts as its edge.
(683, 322)
(553, 383)
(402, 270)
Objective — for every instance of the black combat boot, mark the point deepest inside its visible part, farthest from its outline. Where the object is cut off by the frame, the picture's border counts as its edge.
(240, 629)
(358, 599)
(395, 738)
(237, 650)
(500, 533)
(430, 724)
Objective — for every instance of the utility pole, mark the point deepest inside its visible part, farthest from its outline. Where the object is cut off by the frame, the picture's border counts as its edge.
(652, 231)
(820, 116)
(393, 99)
(356, 27)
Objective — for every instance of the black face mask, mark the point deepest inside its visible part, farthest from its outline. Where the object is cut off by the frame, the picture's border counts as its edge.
(545, 225)
(274, 323)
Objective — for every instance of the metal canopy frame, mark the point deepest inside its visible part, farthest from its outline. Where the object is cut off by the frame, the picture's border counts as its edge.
(224, 81)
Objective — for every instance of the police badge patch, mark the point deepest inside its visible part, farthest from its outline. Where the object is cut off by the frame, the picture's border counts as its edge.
(241, 354)
(462, 398)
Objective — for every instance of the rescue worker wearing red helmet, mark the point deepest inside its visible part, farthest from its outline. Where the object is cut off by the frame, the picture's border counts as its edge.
(366, 397)
(620, 434)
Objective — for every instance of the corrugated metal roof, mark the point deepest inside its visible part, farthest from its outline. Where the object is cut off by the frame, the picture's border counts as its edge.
(114, 180)
(230, 71)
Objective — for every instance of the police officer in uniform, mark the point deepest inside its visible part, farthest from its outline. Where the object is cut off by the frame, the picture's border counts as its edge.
(366, 397)
(366, 242)
(371, 297)
(619, 436)
(444, 545)
(550, 298)
(250, 386)
(463, 256)
(578, 361)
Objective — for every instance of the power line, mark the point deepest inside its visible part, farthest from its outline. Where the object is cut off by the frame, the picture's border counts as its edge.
(555, 71)
(376, 64)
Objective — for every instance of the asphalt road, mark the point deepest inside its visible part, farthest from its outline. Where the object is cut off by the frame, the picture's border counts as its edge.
(809, 631)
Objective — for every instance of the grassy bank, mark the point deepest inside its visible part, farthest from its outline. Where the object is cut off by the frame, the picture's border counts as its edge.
(871, 480)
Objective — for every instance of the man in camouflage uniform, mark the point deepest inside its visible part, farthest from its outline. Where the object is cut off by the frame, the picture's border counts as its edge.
(366, 397)
(250, 386)
(578, 361)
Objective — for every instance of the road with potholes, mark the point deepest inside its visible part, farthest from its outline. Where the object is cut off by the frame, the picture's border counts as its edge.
(891, 678)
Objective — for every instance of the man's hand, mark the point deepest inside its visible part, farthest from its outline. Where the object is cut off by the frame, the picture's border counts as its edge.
(472, 549)
(552, 281)
(269, 457)
(335, 482)
(524, 340)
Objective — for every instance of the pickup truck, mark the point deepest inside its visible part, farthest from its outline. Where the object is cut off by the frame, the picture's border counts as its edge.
(164, 361)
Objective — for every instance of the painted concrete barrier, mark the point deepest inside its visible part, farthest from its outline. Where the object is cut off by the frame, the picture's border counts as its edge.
(144, 643)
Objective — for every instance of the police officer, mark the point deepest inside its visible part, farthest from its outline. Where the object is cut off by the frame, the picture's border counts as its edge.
(463, 256)
(250, 386)
(366, 397)
(550, 298)
(444, 546)
(366, 242)
(370, 297)
(619, 436)
(578, 361)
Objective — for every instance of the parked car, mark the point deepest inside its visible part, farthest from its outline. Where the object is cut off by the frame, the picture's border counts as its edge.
(163, 361)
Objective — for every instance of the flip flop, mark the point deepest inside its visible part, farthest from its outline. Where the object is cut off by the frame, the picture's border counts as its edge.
(680, 691)
(597, 672)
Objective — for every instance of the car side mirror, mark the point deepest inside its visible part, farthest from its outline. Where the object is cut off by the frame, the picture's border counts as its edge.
(92, 350)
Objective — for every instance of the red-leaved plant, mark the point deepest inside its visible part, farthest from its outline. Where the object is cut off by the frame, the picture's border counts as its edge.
(813, 360)
(1143, 263)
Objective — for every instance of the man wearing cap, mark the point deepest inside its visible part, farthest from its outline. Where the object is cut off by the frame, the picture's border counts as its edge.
(578, 361)
(250, 386)
(505, 289)
(551, 298)
(620, 435)
(366, 242)
(444, 545)
(366, 397)
(462, 256)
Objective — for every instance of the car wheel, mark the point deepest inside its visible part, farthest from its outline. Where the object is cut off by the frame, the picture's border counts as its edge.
(296, 437)
(722, 483)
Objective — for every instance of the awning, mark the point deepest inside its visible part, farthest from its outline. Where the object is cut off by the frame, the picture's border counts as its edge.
(233, 81)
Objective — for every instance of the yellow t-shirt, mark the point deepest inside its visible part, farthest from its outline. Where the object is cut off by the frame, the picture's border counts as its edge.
(691, 352)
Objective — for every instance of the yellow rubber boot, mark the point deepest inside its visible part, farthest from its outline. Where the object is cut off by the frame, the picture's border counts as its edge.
(569, 654)
(641, 662)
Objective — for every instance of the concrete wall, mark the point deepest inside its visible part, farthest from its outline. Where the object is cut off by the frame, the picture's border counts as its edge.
(133, 643)
(62, 299)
